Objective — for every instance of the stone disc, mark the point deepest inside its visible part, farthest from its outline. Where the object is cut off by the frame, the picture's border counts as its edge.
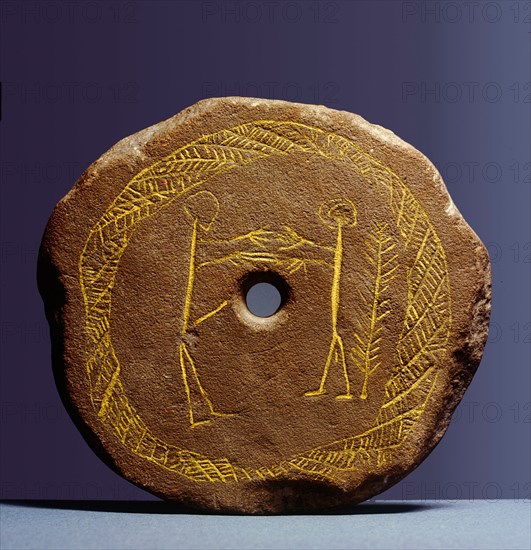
(384, 297)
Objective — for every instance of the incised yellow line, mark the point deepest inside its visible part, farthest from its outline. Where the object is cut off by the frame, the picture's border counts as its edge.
(182, 351)
(365, 352)
(338, 259)
(107, 395)
(211, 313)
(336, 351)
(426, 328)
(191, 276)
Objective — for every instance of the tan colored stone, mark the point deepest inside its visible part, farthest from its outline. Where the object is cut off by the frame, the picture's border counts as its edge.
(331, 400)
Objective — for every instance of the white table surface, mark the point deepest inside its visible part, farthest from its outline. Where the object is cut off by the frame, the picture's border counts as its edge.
(377, 525)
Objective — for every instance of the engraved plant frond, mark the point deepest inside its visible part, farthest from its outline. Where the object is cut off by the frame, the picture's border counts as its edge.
(425, 331)
(375, 305)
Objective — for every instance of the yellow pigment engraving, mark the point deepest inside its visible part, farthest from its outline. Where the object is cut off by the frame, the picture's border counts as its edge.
(179, 176)
(203, 208)
(196, 206)
(336, 213)
(383, 261)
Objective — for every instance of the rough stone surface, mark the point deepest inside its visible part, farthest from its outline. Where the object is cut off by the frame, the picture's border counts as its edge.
(144, 267)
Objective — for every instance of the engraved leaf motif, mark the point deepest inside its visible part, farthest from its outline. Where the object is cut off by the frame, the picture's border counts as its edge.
(374, 304)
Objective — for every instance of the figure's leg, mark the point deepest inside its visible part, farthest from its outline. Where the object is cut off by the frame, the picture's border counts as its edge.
(321, 389)
(347, 394)
(200, 386)
(182, 353)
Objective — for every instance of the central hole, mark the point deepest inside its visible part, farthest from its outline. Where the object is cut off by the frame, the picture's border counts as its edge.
(263, 299)
(264, 293)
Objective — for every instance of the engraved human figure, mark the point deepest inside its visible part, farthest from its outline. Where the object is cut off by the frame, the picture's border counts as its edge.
(203, 208)
(336, 214)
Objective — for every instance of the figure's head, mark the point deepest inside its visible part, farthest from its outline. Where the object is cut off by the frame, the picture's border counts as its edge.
(338, 213)
(204, 207)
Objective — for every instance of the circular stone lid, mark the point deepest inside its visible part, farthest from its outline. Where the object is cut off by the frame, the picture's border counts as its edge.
(148, 269)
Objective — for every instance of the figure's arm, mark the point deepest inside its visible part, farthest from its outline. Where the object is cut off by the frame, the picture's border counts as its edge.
(229, 250)
(210, 313)
(284, 247)
(291, 262)
(258, 237)
(289, 239)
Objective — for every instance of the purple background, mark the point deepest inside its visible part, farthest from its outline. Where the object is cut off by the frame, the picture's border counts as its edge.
(450, 78)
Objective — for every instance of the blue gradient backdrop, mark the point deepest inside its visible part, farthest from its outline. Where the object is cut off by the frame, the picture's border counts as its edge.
(451, 78)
